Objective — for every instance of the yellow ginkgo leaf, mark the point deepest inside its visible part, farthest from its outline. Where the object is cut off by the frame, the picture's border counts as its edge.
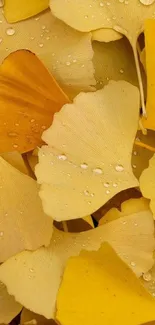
(149, 122)
(9, 308)
(143, 58)
(23, 224)
(17, 10)
(86, 165)
(127, 207)
(143, 150)
(98, 288)
(147, 183)
(125, 18)
(36, 276)
(114, 61)
(105, 35)
(65, 52)
(16, 160)
(28, 317)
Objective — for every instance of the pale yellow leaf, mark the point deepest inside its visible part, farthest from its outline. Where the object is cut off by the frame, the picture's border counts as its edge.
(86, 165)
(9, 308)
(16, 160)
(147, 183)
(65, 52)
(98, 288)
(23, 224)
(36, 276)
(105, 35)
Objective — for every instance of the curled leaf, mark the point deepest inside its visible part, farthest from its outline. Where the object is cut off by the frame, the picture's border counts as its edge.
(65, 52)
(23, 224)
(17, 10)
(111, 294)
(86, 165)
(9, 308)
(36, 276)
(147, 183)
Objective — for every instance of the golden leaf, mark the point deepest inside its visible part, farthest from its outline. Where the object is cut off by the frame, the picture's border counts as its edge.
(28, 317)
(86, 165)
(23, 224)
(16, 160)
(36, 276)
(18, 10)
(147, 183)
(27, 104)
(98, 288)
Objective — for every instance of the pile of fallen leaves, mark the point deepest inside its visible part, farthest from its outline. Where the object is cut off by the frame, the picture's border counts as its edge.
(77, 162)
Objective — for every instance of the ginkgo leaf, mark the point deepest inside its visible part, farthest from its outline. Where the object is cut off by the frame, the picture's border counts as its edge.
(116, 202)
(126, 18)
(114, 61)
(27, 104)
(149, 122)
(142, 151)
(147, 183)
(105, 35)
(29, 316)
(127, 207)
(18, 10)
(65, 52)
(77, 166)
(23, 224)
(111, 294)
(9, 308)
(143, 58)
(16, 160)
(36, 276)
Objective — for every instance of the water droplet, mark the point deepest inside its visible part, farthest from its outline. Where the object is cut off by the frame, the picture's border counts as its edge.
(68, 63)
(37, 18)
(86, 16)
(1, 233)
(32, 120)
(121, 71)
(98, 171)
(108, 3)
(1, 40)
(6, 214)
(86, 192)
(133, 264)
(119, 168)
(62, 157)
(106, 184)
(92, 194)
(147, 276)
(135, 153)
(43, 127)
(1, 3)
(74, 60)
(48, 37)
(153, 294)
(107, 192)
(31, 270)
(10, 31)
(134, 166)
(31, 38)
(101, 4)
(136, 224)
(15, 145)
(43, 27)
(114, 184)
(89, 202)
(147, 2)
(41, 45)
(16, 124)
(12, 134)
(124, 222)
(84, 166)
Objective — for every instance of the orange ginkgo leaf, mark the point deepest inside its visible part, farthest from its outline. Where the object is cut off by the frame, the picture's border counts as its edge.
(29, 97)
